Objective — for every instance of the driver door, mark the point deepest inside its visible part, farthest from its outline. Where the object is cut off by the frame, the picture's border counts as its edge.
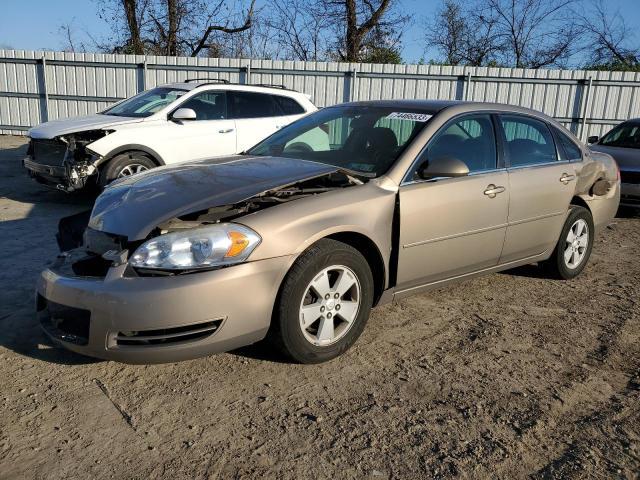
(450, 227)
(211, 134)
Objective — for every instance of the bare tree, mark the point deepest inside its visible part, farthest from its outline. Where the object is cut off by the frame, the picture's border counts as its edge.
(171, 27)
(608, 39)
(462, 36)
(300, 29)
(532, 33)
(361, 23)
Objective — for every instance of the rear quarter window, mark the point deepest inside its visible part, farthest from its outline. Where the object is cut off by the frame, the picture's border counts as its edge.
(288, 105)
(569, 151)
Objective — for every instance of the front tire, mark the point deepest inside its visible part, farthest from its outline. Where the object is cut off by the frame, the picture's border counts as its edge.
(324, 303)
(124, 165)
(573, 250)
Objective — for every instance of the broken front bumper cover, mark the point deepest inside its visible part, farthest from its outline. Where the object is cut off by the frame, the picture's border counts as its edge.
(159, 319)
(67, 177)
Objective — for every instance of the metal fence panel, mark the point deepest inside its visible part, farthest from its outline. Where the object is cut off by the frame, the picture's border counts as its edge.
(41, 86)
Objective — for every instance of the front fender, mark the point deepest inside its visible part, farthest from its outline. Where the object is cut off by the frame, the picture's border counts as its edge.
(289, 229)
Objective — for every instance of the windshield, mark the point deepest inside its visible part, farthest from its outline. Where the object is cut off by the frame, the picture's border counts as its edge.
(365, 139)
(146, 103)
(626, 135)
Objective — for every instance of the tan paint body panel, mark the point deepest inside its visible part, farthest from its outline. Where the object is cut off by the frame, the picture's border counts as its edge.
(450, 227)
(537, 209)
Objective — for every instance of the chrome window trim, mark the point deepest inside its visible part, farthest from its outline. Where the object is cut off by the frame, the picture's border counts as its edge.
(545, 164)
(439, 179)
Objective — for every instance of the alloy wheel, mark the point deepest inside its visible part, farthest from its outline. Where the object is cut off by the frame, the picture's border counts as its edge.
(131, 169)
(330, 305)
(576, 244)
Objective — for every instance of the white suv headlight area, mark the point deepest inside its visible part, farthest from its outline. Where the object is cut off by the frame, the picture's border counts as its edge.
(206, 247)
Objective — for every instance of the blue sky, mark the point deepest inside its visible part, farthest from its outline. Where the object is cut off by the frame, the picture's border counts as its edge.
(34, 24)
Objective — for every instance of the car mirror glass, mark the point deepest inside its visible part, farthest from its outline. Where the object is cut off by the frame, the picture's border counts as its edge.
(593, 139)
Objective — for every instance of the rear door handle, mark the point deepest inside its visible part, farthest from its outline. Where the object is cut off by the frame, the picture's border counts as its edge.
(566, 178)
(492, 190)
(226, 130)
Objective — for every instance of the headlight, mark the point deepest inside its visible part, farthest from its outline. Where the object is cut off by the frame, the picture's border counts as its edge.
(205, 247)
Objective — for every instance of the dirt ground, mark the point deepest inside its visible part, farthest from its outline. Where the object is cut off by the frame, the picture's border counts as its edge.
(509, 376)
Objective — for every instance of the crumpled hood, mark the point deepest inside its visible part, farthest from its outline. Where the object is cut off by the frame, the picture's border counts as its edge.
(134, 206)
(64, 126)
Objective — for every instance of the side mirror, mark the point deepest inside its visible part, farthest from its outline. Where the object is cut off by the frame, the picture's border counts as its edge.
(593, 139)
(443, 167)
(184, 114)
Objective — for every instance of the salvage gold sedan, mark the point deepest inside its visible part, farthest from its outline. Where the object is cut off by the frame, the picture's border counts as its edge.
(298, 238)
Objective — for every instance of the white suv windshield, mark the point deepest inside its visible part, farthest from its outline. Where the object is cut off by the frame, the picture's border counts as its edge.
(146, 103)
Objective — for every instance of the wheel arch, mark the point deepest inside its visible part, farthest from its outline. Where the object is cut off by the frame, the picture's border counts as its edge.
(155, 156)
(371, 254)
(580, 202)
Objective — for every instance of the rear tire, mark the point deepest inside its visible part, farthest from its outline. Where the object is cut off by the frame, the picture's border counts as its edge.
(573, 249)
(324, 303)
(124, 164)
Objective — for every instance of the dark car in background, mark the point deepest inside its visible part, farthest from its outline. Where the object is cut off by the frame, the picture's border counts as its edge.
(623, 144)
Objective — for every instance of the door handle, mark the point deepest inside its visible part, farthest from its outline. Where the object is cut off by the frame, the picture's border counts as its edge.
(226, 130)
(566, 178)
(492, 190)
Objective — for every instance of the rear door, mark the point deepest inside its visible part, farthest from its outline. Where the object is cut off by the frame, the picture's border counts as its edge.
(211, 134)
(257, 115)
(453, 226)
(541, 186)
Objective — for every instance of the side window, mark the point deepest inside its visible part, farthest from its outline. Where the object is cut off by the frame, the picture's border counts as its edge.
(288, 105)
(529, 141)
(253, 105)
(208, 105)
(470, 139)
(569, 150)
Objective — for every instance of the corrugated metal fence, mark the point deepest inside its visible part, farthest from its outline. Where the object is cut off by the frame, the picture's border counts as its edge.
(40, 86)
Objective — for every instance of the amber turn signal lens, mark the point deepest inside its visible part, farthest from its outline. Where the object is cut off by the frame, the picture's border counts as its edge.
(239, 242)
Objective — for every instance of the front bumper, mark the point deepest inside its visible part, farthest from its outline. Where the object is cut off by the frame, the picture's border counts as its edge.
(47, 174)
(630, 195)
(170, 318)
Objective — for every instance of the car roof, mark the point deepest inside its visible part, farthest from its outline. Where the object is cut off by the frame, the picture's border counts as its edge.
(435, 106)
(220, 85)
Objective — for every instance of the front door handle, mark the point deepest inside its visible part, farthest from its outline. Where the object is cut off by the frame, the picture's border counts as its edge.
(566, 178)
(492, 190)
(226, 130)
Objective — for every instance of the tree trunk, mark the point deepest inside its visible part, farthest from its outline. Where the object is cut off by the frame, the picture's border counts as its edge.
(172, 37)
(352, 44)
(134, 29)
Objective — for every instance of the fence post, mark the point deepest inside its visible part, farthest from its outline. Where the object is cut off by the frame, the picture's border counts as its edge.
(585, 107)
(468, 87)
(142, 75)
(42, 89)
(245, 74)
(349, 85)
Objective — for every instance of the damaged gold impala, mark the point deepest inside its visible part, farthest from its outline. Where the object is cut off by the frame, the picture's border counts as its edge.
(297, 239)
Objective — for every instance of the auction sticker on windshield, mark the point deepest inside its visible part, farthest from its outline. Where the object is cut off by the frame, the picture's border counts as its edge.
(415, 117)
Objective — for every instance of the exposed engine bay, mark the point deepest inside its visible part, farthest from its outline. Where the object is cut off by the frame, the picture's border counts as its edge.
(64, 162)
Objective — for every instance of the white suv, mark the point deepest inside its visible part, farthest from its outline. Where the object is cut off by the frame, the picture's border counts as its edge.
(172, 123)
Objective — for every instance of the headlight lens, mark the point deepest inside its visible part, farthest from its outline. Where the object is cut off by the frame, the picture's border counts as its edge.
(205, 247)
